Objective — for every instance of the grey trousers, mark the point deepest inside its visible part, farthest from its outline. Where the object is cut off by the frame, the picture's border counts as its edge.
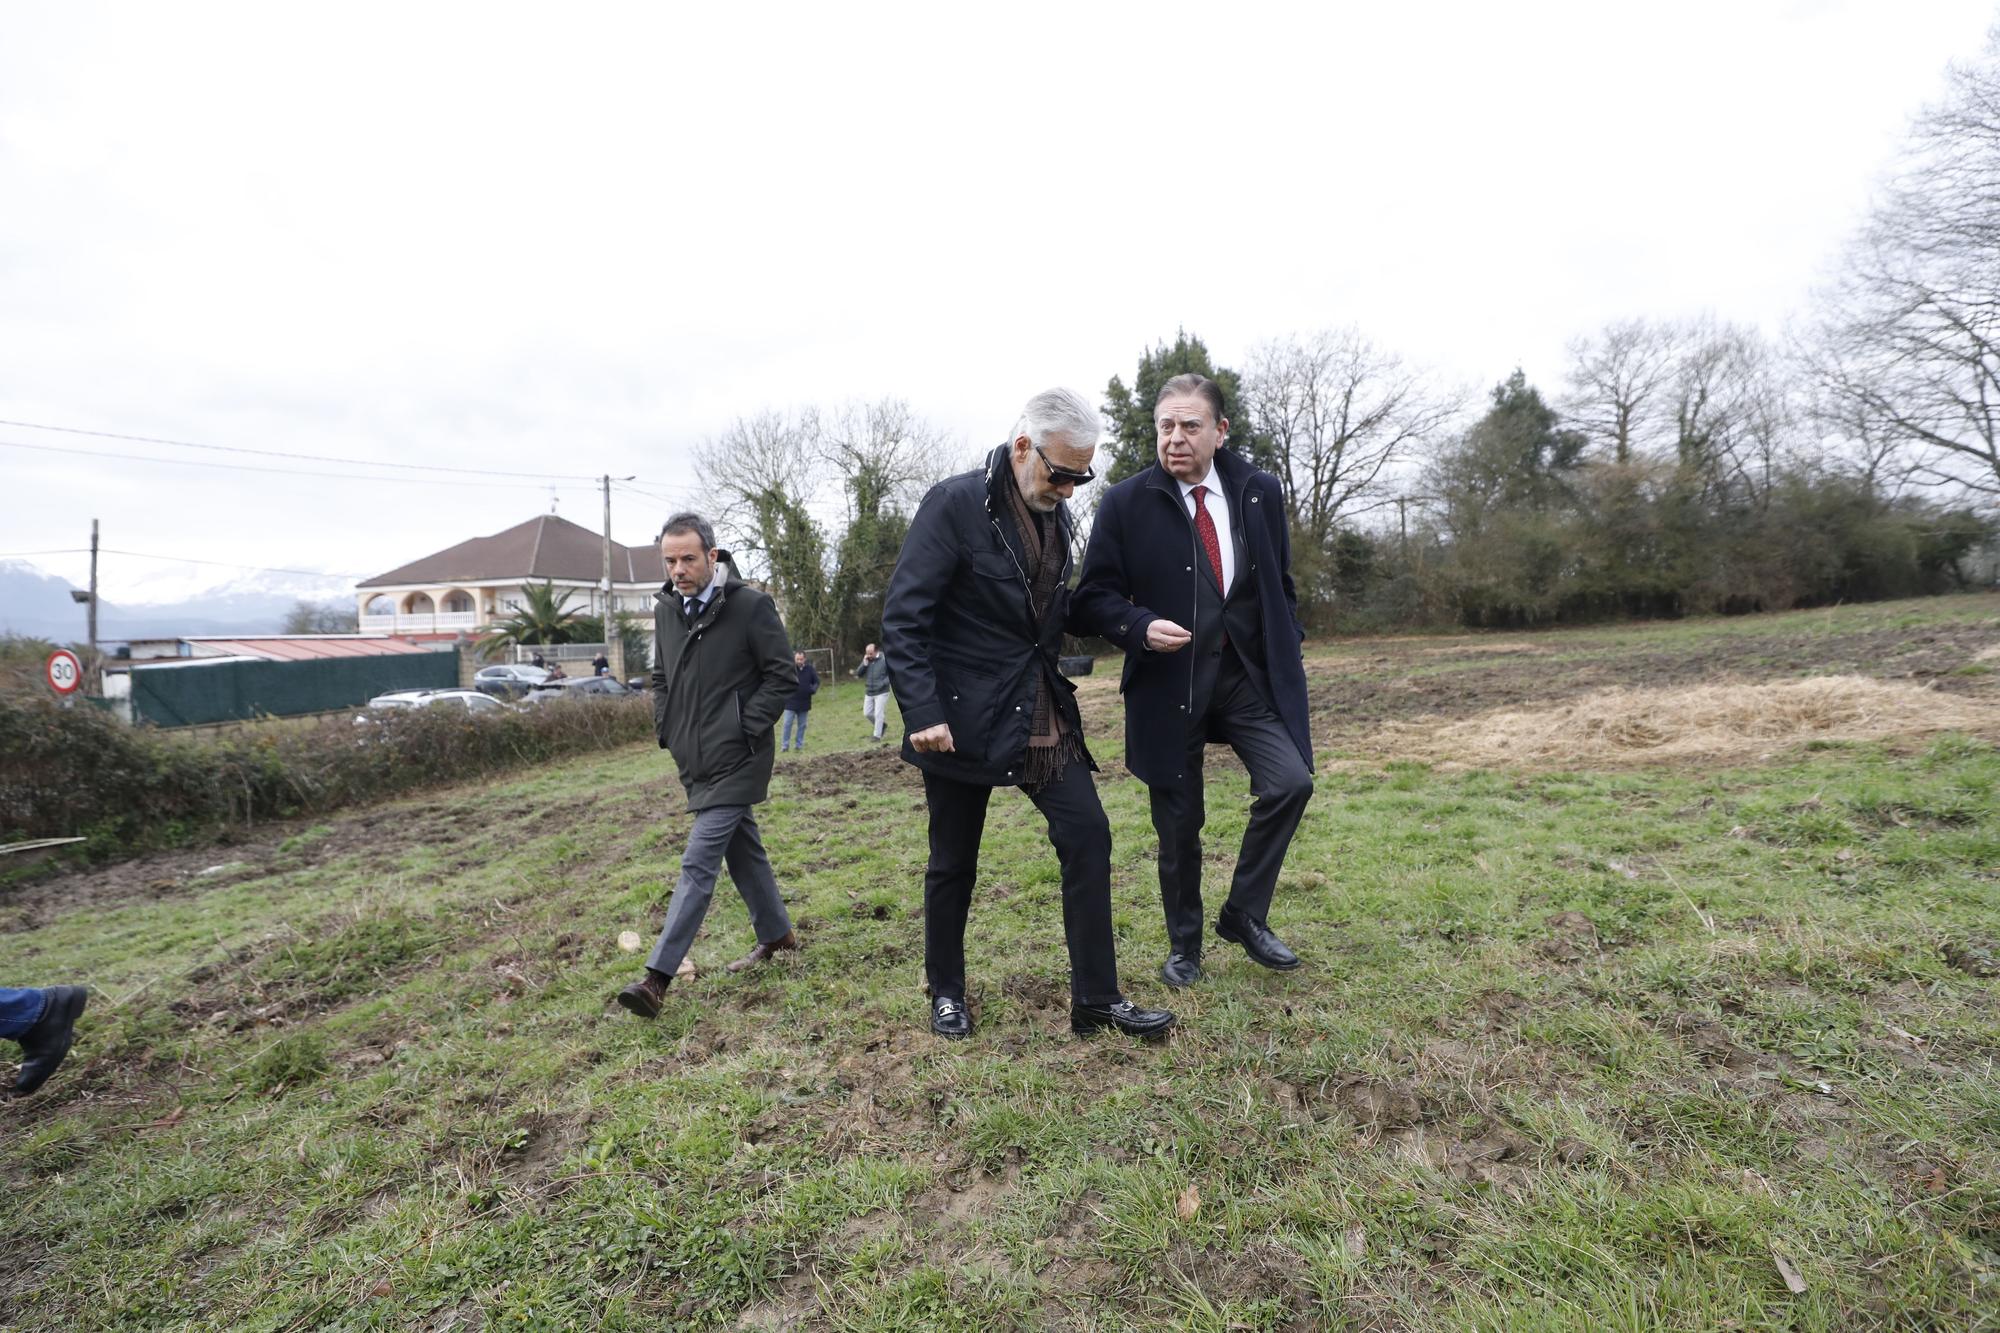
(721, 833)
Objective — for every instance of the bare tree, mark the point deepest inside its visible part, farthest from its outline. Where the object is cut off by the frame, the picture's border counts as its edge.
(884, 454)
(1734, 420)
(1908, 350)
(1342, 414)
(1619, 382)
(759, 468)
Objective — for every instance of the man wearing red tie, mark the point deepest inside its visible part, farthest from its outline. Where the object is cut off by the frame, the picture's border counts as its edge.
(1189, 571)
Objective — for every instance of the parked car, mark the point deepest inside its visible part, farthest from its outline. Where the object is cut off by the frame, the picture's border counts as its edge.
(472, 701)
(508, 681)
(581, 687)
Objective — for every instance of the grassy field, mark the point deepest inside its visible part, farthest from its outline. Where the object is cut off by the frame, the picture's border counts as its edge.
(1701, 1045)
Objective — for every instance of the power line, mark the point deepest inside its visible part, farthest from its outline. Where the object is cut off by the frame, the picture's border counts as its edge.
(652, 495)
(230, 564)
(274, 453)
(577, 483)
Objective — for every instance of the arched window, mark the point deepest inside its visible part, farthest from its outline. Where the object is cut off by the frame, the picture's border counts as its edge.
(458, 603)
(381, 605)
(420, 604)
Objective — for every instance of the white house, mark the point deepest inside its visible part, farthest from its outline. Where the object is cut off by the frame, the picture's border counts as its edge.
(463, 589)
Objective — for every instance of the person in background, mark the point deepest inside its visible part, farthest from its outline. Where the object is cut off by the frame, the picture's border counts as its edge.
(874, 673)
(44, 1022)
(721, 673)
(536, 660)
(600, 665)
(799, 705)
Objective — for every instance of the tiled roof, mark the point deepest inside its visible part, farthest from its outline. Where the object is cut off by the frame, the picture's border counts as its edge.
(298, 648)
(545, 547)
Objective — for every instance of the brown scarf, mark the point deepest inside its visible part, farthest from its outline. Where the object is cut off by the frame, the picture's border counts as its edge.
(1051, 745)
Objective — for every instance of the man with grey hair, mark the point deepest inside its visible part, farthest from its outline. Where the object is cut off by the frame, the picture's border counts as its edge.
(971, 626)
(722, 672)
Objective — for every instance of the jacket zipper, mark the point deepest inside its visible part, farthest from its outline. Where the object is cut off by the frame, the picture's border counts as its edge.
(680, 660)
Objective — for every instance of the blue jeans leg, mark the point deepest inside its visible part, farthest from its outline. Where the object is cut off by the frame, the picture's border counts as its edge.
(20, 1009)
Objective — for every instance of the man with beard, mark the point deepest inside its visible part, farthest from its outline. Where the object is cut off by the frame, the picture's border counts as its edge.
(722, 672)
(1190, 572)
(972, 624)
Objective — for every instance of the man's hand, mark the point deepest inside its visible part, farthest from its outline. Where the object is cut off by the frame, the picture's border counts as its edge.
(932, 740)
(1164, 636)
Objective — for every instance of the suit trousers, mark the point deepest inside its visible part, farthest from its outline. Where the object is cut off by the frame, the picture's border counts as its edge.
(1081, 836)
(20, 1009)
(1280, 786)
(721, 833)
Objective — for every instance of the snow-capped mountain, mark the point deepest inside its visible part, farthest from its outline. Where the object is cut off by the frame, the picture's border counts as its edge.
(154, 599)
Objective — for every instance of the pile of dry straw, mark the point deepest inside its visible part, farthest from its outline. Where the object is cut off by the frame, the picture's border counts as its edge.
(1705, 722)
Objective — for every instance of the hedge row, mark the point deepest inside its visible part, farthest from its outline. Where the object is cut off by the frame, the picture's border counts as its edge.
(67, 772)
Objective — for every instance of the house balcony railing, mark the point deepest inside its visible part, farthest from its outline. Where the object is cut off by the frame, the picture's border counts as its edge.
(442, 622)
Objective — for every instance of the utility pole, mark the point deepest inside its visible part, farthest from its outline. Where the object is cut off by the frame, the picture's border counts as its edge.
(93, 594)
(614, 642)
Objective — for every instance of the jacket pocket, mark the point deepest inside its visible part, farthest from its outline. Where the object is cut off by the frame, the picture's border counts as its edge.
(968, 697)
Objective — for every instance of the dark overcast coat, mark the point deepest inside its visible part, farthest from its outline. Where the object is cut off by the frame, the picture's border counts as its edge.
(718, 688)
(1140, 567)
(960, 635)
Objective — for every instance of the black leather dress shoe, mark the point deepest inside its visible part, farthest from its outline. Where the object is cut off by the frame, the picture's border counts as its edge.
(44, 1045)
(1257, 941)
(950, 1018)
(1124, 1015)
(1181, 970)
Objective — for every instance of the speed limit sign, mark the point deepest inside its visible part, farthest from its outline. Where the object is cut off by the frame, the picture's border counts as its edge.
(65, 673)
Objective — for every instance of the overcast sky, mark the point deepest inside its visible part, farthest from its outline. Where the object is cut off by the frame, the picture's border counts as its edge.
(579, 239)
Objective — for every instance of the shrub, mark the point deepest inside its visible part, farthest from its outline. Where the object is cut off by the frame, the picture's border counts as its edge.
(66, 772)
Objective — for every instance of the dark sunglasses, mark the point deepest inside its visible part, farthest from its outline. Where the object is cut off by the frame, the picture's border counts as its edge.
(1061, 474)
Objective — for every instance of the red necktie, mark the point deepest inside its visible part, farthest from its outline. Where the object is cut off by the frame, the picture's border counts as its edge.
(1205, 525)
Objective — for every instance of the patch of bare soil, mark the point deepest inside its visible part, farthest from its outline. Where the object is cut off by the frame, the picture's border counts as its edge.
(1710, 723)
(1260, 1271)
(1373, 682)
(835, 772)
(1571, 936)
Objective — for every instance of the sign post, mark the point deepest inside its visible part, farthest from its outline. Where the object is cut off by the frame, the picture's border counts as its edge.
(64, 672)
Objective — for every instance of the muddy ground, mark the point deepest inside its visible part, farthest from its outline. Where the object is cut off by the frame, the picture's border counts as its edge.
(1354, 687)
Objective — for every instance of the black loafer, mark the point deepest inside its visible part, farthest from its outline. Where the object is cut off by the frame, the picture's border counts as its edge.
(1181, 970)
(44, 1045)
(1257, 940)
(1124, 1015)
(950, 1018)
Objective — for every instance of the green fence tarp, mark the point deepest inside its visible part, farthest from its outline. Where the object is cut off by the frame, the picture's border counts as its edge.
(196, 694)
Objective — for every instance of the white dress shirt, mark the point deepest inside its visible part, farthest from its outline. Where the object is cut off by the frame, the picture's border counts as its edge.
(1218, 512)
(715, 581)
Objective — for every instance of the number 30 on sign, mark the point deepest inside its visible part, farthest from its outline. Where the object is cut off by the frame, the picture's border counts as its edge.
(65, 673)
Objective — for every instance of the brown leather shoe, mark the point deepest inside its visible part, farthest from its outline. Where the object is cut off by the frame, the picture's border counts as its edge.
(645, 996)
(762, 953)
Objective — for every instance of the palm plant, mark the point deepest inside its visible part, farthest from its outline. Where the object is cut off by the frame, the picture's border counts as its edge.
(543, 618)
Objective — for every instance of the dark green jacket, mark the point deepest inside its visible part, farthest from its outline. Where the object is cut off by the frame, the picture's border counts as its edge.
(718, 688)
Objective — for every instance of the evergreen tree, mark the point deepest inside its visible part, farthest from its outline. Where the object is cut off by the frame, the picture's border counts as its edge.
(1129, 412)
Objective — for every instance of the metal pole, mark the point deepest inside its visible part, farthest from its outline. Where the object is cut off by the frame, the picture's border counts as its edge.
(93, 596)
(613, 645)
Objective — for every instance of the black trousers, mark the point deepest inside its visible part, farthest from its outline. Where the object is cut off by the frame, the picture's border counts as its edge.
(1082, 839)
(1280, 786)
